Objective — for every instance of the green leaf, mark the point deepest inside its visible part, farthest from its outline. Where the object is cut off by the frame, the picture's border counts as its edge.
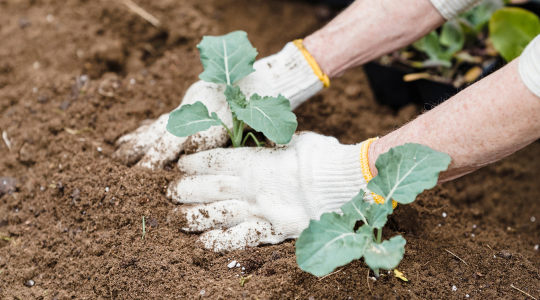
(269, 115)
(329, 243)
(511, 29)
(479, 16)
(405, 171)
(453, 38)
(357, 207)
(227, 58)
(190, 119)
(374, 215)
(235, 98)
(385, 255)
(429, 44)
(441, 49)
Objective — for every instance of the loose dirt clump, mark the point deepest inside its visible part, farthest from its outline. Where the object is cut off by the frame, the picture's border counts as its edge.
(76, 75)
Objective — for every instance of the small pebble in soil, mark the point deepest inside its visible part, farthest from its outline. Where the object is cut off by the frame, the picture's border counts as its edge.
(467, 295)
(444, 215)
(50, 18)
(533, 219)
(24, 22)
(472, 234)
(231, 264)
(238, 265)
(474, 226)
(243, 269)
(99, 149)
(36, 66)
(203, 292)
(439, 225)
(35, 89)
(506, 254)
(454, 288)
(106, 189)
(132, 81)
(536, 247)
(16, 210)
(30, 283)
(42, 188)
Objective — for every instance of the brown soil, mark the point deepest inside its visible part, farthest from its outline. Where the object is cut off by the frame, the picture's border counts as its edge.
(71, 223)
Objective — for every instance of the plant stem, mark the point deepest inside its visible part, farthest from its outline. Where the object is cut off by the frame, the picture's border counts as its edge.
(237, 131)
(250, 134)
(379, 240)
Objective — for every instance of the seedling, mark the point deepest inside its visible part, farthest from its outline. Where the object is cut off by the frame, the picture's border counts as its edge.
(227, 59)
(404, 172)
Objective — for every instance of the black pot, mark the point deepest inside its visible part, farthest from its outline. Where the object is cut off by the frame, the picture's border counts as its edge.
(390, 89)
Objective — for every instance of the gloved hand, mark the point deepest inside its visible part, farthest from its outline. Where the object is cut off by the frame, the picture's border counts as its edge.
(287, 73)
(265, 195)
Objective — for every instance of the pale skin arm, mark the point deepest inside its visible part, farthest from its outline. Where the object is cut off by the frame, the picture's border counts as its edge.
(369, 29)
(484, 123)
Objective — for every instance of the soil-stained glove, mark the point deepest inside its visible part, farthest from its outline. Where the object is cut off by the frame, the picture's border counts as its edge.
(250, 196)
(292, 73)
(450, 9)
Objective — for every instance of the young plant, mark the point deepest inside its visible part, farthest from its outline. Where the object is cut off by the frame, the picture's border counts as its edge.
(404, 172)
(227, 59)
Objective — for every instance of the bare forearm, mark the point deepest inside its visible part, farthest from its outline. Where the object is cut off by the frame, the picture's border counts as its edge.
(368, 29)
(484, 123)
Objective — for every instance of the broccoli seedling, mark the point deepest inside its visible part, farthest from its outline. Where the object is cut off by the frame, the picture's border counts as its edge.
(227, 59)
(404, 172)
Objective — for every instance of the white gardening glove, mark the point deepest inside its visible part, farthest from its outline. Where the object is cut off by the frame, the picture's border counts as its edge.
(250, 196)
(287, 73)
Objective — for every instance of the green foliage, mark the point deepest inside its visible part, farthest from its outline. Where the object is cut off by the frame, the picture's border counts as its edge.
(329, 243)
(373, 215)
(478, 17)
(332, 242)
(511, 29)
(406, 171)
(190, 119)
(441, 48)
(271, 115)
(385, 255)
(227, 59)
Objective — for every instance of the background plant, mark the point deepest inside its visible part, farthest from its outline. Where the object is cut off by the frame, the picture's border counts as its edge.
(510, 30)
(227, 59)
(404, 172)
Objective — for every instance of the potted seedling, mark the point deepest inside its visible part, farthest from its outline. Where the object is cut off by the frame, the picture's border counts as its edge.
(227, 59)
(450, 58)
(404, 172)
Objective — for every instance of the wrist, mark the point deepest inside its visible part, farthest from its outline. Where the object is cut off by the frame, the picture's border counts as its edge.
(290, 74)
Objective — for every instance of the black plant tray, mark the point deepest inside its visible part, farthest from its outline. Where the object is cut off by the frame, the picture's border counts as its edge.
(390, 89)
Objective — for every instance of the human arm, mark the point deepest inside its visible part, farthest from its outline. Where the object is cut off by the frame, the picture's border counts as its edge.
(482, 124)
(367, 30)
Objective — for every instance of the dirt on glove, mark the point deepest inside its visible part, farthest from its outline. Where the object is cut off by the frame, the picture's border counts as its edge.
(75, 75)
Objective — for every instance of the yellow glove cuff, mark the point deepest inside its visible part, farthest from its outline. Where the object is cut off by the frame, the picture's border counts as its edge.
(366, 172)
(311, 61)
